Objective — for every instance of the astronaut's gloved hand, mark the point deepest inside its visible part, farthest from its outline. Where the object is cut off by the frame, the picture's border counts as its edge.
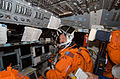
(116, 71)
(91, 75)
(45, 71)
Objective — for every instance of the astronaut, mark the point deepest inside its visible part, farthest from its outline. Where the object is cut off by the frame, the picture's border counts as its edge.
(112, 69)
(72, 57)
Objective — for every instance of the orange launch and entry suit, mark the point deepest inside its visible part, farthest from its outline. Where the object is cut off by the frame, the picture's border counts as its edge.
(71, 59)
(12, 74)
(113, 49)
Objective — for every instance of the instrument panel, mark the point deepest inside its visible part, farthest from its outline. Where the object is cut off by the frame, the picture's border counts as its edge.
(23, 10)
(20, 12)
(5, 5)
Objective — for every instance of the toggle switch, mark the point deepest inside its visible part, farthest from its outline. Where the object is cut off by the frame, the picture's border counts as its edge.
(1, 15)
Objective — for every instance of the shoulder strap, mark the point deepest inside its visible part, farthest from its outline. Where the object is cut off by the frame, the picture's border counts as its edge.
(82, 48)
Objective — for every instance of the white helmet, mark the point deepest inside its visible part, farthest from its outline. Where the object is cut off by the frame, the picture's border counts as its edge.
(68, 32)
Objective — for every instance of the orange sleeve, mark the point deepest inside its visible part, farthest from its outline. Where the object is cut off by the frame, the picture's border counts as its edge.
(62, 69)
(88, 61)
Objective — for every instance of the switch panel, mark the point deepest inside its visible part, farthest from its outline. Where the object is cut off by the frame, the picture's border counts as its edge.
(20, 12)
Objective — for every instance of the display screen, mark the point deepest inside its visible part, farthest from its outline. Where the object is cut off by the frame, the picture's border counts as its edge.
(9, 59)
(25, 50)
(26, 62)
(38, 51)
(46, 48)
(79, 38)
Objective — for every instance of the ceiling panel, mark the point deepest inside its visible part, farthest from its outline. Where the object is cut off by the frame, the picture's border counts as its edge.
(66, 7)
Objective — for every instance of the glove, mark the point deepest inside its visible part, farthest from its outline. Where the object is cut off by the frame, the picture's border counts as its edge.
(45, 71)
(116, 71)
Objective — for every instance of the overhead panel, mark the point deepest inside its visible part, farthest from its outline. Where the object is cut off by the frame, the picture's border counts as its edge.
(77, 6)
(16, 12)
(105, 18)
(77, 21)
(19, 12)
(37, 18)
(100, 17)
(110, 18)
(95, 17)
(46, 19)
(22, 13)
(6, 7)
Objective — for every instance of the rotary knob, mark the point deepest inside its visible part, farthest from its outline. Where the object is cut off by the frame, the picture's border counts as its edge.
(1, 15)
(22, 19)
(15, 18)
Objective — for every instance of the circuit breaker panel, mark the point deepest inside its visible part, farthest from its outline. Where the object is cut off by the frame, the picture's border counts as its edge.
(19, 12)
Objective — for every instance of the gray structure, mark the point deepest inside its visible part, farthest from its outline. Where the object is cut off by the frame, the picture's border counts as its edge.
(77, 20)
(110, 18)
(105, 18)
(19, 12)
(100, 17)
